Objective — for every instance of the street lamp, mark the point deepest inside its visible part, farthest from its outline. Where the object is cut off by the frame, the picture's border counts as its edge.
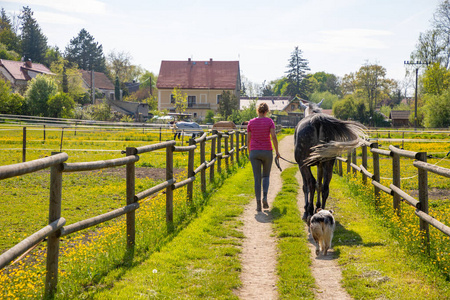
(417, 64)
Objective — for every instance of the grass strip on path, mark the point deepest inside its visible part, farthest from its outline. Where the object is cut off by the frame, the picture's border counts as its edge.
(294, 261)
(202, 261)
(374, 265)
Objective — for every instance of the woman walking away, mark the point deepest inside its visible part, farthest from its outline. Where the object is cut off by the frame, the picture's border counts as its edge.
(260, 130)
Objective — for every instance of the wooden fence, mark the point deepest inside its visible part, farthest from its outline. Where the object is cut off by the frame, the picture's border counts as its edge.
(234, 145)
(394, 189)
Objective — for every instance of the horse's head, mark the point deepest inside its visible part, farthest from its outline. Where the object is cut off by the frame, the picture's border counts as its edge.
(311, 108)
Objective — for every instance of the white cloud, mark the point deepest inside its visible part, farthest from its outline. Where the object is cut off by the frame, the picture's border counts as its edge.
(346, 40)
(72, 6)
(55, 18)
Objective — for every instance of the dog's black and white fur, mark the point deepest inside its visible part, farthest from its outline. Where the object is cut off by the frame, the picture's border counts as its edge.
(322, 228)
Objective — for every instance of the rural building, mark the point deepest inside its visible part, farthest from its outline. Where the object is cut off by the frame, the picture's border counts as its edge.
(202, 81)
(137, 110)
(18, 73)
(275, 103)
(400, 118)
(100, 81)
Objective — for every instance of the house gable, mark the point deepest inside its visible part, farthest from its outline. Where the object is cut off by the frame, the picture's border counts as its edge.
(218, 75)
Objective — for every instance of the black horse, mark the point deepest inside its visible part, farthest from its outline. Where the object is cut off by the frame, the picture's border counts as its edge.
(319, 138)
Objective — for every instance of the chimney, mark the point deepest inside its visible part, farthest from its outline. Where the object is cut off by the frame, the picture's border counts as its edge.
(28, 63)
(189, 60)
(210, 61)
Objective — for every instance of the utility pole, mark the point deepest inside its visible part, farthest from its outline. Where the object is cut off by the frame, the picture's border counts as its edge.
(417, 64)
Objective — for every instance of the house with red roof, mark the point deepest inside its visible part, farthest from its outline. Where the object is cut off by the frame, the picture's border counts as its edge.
(202, 81)
(100, 82)
(18, 73)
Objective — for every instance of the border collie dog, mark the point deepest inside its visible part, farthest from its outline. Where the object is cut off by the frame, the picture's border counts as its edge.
(322, 228)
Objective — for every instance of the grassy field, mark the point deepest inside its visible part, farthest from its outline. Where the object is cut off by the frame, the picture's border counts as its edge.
(93, 260)
(381, 255)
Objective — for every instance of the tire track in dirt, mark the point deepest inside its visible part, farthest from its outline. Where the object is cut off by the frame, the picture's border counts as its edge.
(259, 249)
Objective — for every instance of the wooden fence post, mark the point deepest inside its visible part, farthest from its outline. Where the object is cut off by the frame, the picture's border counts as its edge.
(396, 181)
(423, 198)
(131, 216)
(202, 161)
(51, 279)
(24, 145)
(219, 150)
(237, 146)
(354, 160)
(364, 163)
(190, 185)
(231, 135)
(226, 150)
(349, 160)
(213, 155)
(169, 189)
(376, 171)
(245, 142)
(44, 132)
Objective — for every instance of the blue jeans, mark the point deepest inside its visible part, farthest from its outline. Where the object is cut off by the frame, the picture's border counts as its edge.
(258, 159)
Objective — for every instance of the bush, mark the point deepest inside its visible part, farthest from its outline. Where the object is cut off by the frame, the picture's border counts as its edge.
(61, 106)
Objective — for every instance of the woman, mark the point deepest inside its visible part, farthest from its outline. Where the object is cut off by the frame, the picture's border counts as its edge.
(260, 130)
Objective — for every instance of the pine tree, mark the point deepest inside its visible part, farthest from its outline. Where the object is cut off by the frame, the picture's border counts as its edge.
(86, 53)
(7, 35)
(296, 73)
(34, 42)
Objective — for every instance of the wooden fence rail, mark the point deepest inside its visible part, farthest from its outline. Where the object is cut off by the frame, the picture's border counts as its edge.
(394, 189)
(56, 229)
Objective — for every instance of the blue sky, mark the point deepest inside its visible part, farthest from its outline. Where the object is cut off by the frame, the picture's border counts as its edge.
(335, 36)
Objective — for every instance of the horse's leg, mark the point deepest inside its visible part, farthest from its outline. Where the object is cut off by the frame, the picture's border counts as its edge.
(305, 192)
(328, 174)
(308, 189)
(311, 185)
(319, 183)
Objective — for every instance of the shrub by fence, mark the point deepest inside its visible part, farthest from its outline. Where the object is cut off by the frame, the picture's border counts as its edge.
(234, 144)
(394, 189)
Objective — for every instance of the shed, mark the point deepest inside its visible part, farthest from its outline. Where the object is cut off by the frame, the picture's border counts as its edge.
(400, 118)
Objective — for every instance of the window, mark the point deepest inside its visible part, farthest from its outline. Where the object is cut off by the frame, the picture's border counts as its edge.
(172, 99)
(219, 98)
(191, 101)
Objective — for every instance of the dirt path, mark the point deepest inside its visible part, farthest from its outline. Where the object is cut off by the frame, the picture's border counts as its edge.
(259, 253)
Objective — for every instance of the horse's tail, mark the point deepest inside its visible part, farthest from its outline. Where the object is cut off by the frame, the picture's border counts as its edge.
(342, 136)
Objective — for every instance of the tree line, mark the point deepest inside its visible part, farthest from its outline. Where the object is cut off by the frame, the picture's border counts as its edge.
(21, 39)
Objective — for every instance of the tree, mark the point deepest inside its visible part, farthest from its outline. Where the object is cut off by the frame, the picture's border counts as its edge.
(10, 103)
(117, 89)
(209, 117)
(296, 74)
(227, 104)
(8, 54)
(8, 37)
(119, 65)
(328, 99)
(86, 53)
(345, 108)
(51, 55)
(34, 42)
(69, 81)
(61, 105)
(437, 110)
(436, 79)
(370, 85)
(180, 100)
(39, 91)
(327, 83)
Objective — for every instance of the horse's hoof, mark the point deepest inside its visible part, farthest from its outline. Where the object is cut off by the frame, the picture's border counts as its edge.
(305, 217)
